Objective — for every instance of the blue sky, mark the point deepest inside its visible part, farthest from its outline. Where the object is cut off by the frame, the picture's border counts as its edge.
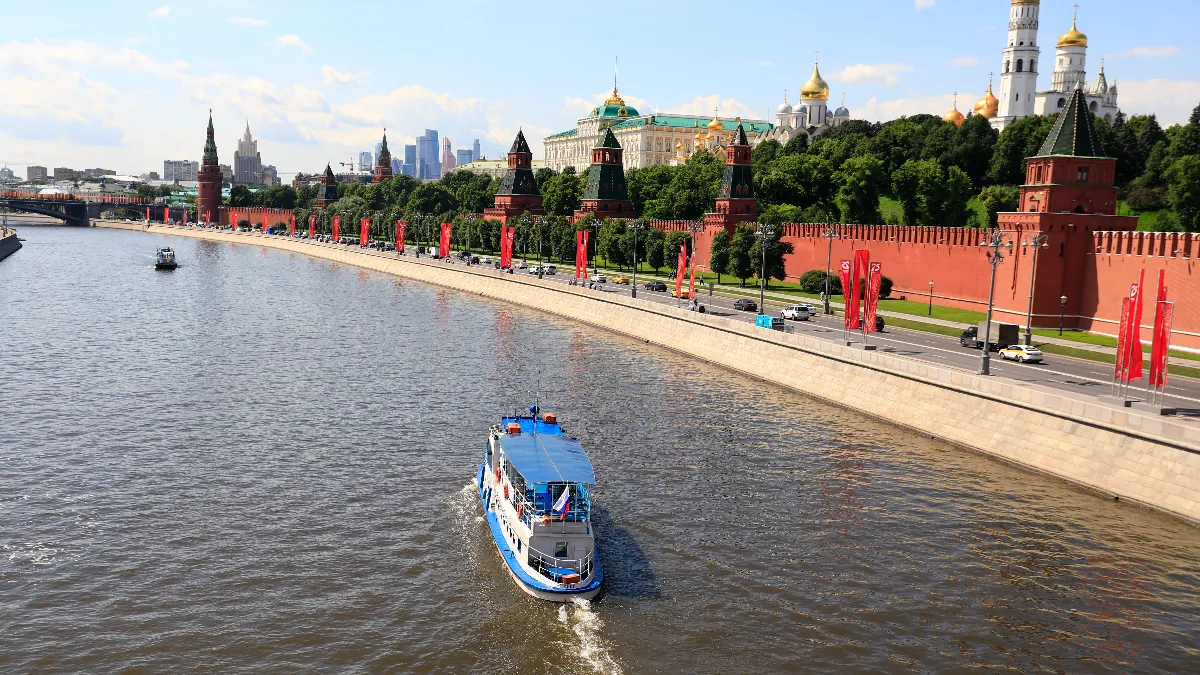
(127, 84)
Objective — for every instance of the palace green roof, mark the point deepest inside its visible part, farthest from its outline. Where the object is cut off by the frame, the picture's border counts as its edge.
(691, 123)
(565, 134)
(610, 110)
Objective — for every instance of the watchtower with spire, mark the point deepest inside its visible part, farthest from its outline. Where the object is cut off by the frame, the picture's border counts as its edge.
(327, 193)
(736, 203)
(208, 190)
(605, 194)
(383, 164)
(518, 192)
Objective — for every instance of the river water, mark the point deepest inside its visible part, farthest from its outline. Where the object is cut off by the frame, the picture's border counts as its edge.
(261, 462)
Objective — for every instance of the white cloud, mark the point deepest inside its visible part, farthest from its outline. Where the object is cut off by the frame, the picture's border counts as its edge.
(965, 61)
(161, 12)
(290, 40)
(704, 106)
(764, 64)
(1172, 100)
(332, 78)
(1152, 52)
(887, 74)
(247, 21)
(875, 111)
(924, 4)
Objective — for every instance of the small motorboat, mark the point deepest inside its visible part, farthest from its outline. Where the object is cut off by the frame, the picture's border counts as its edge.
(164, 259)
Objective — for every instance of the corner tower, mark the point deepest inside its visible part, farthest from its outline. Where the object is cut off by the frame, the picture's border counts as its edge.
(605, 195)
(518, 192)
(208, 191)
(1018, 74)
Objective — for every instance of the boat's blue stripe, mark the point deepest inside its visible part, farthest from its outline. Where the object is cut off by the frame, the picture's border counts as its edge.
(510, 557)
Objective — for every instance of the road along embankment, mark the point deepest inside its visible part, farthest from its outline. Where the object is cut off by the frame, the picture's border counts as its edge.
(9, 244)
(1115, 451)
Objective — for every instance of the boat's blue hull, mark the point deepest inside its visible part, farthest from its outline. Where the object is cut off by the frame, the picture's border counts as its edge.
(527, 582)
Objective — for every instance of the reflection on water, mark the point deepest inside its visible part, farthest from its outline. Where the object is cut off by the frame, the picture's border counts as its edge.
(262, 462)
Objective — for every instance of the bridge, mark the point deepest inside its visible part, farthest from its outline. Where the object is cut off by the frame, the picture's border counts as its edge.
(79, 212)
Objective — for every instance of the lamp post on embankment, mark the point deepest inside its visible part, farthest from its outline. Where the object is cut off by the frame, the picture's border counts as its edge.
(831, 233)
(764, 233)
(637, 226)
(996, 246)
(1036, 242)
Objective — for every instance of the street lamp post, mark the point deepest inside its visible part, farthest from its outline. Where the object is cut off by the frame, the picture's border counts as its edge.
(997, 246)
(694, 227)
(1062, 312)
(764, 233)
(1036, 242)
(538, 221)
(637, 226)
(831, 233)
(470, 220)
(931, 298)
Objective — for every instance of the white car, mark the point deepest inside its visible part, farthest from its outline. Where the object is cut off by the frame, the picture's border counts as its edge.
(1022, 354)
(598, 279)
(796, 312)
(520, 265)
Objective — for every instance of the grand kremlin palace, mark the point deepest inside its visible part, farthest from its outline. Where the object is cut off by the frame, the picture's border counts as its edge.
(647, 139)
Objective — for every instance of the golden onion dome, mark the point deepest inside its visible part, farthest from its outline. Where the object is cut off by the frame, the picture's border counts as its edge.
(954, 117)
(1072, 38)
(816, 87)
(989, 105)
(615, 99)
(715, 124)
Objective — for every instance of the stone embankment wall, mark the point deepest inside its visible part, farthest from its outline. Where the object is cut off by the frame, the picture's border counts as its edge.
(8, 244)
(1114, 451)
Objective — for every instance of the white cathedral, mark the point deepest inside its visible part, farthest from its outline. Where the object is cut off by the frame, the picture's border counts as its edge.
(810, 117)
(1019, 96)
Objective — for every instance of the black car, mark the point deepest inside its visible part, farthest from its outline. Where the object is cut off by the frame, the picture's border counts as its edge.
(656, 286)
(745, 305)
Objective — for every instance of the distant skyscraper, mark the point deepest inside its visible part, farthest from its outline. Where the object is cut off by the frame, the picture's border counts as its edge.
(366, 161)
(448, 161)
(429, 163)
(247, 163)
(463, 158)
(270, 175)
(475, 151)
(182, 169)
(410, 160)
(6, 174)
(36, 173)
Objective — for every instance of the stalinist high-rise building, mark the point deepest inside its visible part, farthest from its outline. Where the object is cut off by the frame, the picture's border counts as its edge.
(247, 162)
(1019, 95)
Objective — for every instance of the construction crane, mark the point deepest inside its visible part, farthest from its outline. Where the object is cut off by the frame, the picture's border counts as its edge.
(351, 165)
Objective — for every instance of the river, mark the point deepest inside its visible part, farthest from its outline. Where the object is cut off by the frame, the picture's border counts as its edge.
(261, 462)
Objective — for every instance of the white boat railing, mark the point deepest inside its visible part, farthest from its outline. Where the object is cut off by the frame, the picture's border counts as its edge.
(542, 562)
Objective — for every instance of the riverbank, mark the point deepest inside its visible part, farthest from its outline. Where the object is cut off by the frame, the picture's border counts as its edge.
(1114, 451)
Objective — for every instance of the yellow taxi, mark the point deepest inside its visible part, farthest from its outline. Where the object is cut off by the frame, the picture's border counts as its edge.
(683, 293)
(620, 279)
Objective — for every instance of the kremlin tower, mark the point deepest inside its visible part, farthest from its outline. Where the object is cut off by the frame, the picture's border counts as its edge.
(383, 164)
(736, 203)
(208, 194)
(327, 193)
(605, 194)
(518, 192)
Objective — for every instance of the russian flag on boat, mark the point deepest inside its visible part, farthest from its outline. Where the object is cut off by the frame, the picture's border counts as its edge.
(563, 504)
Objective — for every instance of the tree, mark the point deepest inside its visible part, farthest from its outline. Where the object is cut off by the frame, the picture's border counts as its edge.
(1187, 142)
(858, 184)
(813, 281)
(1184, 180)
(470, 190)
(798, 145)
(240, 195)
(655, 248)
(431, 199)
(1020, 140)
(563, 193)
(542, 175)
(972, 148)
(675, 242)
(610, 244)
(647, 184)
(799, 180)
(999, 199)
(765, 153)
(740, 261)
(719, 254)
(693, 189)
(777, 250)
(931, 194)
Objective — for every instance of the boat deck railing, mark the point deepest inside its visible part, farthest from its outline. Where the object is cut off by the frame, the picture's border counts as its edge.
(556, 568)
(531, 514)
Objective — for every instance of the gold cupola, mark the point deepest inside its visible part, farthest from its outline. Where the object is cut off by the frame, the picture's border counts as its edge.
(954, 117)
(615, 99)
(816, 87)
(989, 105)
(715, 124)
(1073, 38)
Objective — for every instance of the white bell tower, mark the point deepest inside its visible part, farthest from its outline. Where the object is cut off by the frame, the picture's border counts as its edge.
(1018, 73)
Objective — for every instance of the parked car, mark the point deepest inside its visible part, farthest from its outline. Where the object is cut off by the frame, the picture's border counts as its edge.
(745, 305)
(621, 279)
(659, 286)
(796, 312)
(1022, 354)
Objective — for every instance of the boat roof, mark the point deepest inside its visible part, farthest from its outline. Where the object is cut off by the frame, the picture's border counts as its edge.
(544, 455)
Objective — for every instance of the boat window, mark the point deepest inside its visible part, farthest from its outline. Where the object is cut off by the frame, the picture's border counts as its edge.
(560, 549)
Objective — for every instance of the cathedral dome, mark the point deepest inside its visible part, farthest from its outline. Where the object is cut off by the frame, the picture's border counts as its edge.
(989, 105)
(784, 108)
(1072, 38)
(715, 124)
(816, 87)
(954, 117)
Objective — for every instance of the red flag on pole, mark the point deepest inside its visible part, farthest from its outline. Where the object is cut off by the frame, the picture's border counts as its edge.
(444, 249)
(510, 244)
(844, 275)
(874, 283)
(208, 218)
(581, 253)
(680, 270)
(264, 225)
(184, 220)
(337, 226)
(1134, 360)
(364, 231)
(312, 226)
(1164, 315)
(147, 214)
(401, 226)
(1123, 341)
(233, 220)
(292, 224)
(166, 213)
(692, 286)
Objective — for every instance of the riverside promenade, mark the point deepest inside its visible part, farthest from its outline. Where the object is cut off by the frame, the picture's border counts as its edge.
(1116, 452)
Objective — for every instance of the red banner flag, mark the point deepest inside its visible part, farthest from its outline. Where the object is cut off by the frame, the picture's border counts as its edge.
(680, 270)
(874, 283)
(337, 226)
(292, 224)
(264, 225)
(184, 220)
(401, 226)
(364, 231)
(1122, 341)
(166, 214)
(208, 218)
(509, 245)
(851, 318)
(1164, 315)
(1133, 360)
(444, 249)
(312, 226)
(862, 261)
(581, 253)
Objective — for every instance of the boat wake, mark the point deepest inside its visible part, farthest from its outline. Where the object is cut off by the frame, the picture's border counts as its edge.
(578, 617)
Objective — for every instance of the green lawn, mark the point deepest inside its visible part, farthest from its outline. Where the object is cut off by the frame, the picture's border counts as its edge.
(1104, 341)
(924, 327)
